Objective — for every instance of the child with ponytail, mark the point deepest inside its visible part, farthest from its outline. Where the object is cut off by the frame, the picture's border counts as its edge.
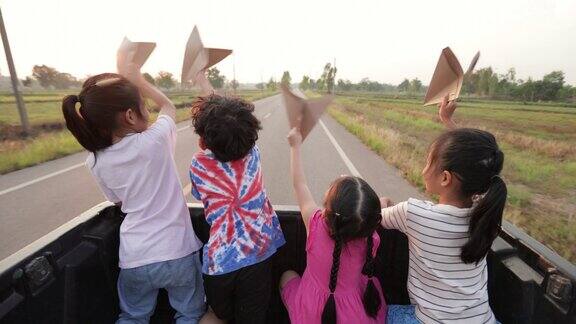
(133, 164)
(338, 284)
(448, 241)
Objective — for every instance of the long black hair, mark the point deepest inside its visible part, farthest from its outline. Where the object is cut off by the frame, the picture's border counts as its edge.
(474, 158)
(352, 211)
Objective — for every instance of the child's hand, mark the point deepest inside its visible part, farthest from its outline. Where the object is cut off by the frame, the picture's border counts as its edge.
(386, 202)
(295, 137)
(446, 110)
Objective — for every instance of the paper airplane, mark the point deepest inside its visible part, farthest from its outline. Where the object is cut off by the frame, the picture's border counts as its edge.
(197, 58)
(133, 52)
(448, 77)
(303, 113)
(204, 84)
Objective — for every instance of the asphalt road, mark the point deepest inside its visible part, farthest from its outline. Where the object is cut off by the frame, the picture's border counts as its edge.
(38, 199)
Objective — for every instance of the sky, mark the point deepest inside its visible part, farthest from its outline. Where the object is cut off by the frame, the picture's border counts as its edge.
(385, 41)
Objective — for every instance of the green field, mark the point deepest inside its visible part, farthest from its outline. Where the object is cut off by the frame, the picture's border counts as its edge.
(50, 138)
(538, 142)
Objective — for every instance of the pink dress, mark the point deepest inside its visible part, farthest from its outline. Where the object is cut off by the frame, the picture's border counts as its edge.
(305, 297)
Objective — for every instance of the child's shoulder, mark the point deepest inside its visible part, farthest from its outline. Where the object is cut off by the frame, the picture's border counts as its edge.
(418, 203)
(418, 206)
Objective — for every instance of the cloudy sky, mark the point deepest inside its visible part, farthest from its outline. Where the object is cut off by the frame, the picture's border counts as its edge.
(382, 40)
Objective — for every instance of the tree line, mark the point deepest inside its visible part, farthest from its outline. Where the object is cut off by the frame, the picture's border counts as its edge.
(50, 78)
(483, 83)
(486, 83)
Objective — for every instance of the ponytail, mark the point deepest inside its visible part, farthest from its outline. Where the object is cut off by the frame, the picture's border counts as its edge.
(329, 312)
(371, 298)
(79, 127)
(473, 157)
(485, 221)
(102, 98)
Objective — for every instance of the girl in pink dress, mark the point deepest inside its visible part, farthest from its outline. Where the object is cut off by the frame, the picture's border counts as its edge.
(337, 285)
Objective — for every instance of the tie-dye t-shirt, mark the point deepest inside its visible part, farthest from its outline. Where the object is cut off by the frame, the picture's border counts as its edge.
(244, 229)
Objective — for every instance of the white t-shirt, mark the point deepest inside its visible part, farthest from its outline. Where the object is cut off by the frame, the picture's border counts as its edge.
(140, 172)
(443, 287)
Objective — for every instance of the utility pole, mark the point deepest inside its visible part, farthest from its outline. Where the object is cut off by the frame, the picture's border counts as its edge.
(14, 78)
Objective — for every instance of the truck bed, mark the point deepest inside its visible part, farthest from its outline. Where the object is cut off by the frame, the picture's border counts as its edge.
(69, 276)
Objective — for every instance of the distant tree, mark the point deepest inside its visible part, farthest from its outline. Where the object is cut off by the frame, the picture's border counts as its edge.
(27, 82)
(149, 78)
(320, 84)
(511, 75)
(215, 78)
(271, 85)
(567, 92)
(305, 83)
(45, 75)
(313, 84)
(344, 85)
(327, 80)
(404, 86)
(415, 86)
(165, 80)
(286, 78)
(64, 81)
(551, 84)
(260, 85)
(234, 84)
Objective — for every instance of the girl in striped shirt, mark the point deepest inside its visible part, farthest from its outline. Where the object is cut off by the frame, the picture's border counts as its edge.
(448, 241)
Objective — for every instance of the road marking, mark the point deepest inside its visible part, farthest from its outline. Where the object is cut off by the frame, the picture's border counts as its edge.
(48, 176)
(53, 174)
(267, 115)
(340, 151)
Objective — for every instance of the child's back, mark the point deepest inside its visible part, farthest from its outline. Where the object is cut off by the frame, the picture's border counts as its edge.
(448, 242)
(244, 229)
(441, 285)
(139, 171)
(306, 297)
(134, 166)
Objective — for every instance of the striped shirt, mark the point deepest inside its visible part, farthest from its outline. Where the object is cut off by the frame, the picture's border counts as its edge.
(443, 287)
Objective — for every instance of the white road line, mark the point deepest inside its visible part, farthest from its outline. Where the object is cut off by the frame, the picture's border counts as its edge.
(340, 151)
(53, 174)
(48, 176)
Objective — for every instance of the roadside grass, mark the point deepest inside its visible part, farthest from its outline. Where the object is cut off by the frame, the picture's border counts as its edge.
(50, 143)
(540, 163)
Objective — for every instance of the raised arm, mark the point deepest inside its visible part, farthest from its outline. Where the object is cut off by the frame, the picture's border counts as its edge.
(305, 200)
(445, 111)
(132, 73)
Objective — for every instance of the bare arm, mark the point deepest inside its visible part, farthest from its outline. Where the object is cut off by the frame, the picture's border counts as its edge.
(445, 111)
(305, 200)
(132, 73)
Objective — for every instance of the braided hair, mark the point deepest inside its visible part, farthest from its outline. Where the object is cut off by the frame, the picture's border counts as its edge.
(371, 298)
(352, 210)
(329, 312)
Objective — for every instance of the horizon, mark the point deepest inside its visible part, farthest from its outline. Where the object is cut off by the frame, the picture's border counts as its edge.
(382, 42)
